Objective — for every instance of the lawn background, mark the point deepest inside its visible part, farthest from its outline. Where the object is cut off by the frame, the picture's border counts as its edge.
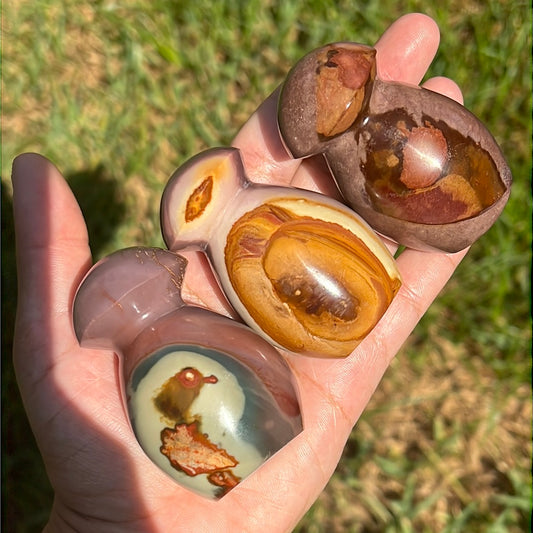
(118, 94)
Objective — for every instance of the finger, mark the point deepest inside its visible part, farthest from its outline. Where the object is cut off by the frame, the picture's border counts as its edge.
(265, 158)
(52, 256)
(314, 174)
(407, 48)
(52, 370)
(446, 87)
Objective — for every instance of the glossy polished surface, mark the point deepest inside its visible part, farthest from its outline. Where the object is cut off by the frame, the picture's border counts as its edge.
(209, 400)
(427, 174)
(205, 418)
(308, 283)
(125, 293)
(419, 167)
(300, 268)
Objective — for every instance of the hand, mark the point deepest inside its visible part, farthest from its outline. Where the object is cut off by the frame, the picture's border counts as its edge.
(102, 479)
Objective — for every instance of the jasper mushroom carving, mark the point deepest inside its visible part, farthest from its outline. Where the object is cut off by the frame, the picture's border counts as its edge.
(208, 399)
(416, 165)
(300, 268)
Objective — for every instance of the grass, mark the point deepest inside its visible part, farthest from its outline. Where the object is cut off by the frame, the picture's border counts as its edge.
(119, 94)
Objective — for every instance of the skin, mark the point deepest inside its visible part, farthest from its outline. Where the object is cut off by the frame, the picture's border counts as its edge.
(102, 479)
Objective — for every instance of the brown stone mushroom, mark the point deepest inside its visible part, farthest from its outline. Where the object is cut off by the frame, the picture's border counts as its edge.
(418, 166)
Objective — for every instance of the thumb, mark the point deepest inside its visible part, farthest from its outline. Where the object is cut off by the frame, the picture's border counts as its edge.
(52, 256)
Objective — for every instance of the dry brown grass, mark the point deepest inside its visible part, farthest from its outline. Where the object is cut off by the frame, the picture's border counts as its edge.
(444, 439)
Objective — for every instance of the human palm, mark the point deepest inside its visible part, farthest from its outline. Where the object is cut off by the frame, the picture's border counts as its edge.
(102, 479)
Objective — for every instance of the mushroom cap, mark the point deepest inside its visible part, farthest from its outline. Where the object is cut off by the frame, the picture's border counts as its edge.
(124, 293)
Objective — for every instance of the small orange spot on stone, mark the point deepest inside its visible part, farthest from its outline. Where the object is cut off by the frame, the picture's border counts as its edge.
(199, 199)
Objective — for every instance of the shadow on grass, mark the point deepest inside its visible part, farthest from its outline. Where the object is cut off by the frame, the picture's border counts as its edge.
(100, 203)
(26, 492)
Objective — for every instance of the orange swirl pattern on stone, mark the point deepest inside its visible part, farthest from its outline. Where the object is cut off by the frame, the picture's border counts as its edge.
(311, 285)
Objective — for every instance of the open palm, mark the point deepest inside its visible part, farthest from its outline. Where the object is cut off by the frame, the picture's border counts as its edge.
(102, 479)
